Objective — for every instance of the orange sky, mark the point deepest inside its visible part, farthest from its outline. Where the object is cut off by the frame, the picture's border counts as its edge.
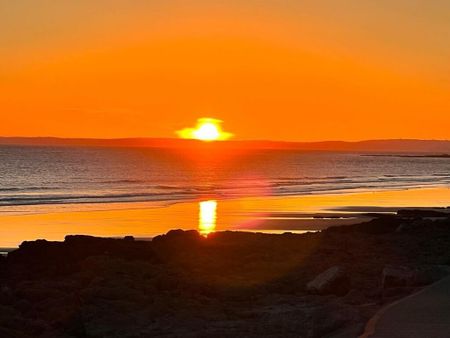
(283, 70)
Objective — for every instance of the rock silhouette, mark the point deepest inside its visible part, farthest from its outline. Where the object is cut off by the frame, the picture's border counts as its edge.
(185, 285)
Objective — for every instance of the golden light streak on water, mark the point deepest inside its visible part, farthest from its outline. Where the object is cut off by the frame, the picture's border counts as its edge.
(207, 217)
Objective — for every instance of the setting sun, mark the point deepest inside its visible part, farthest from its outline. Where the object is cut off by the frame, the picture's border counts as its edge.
(207, 129)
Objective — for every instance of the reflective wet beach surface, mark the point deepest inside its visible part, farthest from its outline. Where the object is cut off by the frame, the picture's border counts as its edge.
(265, 214)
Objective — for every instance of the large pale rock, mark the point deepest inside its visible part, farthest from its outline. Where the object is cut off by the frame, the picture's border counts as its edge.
(332, 281)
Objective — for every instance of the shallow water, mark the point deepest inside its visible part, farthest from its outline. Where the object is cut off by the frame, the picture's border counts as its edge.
(56, 175)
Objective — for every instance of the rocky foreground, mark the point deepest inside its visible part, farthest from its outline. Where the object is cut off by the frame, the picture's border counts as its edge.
(181, 284)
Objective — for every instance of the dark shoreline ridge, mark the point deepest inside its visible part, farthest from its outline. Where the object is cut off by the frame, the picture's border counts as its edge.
(413, 156)
(387, 145)
(184, 285)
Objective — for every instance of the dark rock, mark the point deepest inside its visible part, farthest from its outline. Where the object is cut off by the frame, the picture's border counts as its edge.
(332, 320)
(6, 295)
(44, 258)
(383, 224)
(354, 297)
(124, 248)
(177, 235)
(418, 222)
(418, 213)
(11, 321)
(394, 293)
(429, 274)
(350, 331)
(230, 283)
(402, 227)
(397, 276)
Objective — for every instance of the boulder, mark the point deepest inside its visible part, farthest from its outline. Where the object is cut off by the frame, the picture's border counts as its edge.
(332, 320)
(6, 295)
(332, 281)
(402, 277)
(397, 276)
(354, 297)
(418, 213)
(402, 227)
(429, 274)
(41, 258)
(178, 235)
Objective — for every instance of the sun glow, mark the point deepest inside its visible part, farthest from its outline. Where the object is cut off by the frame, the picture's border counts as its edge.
(207, 217)
(207, 129)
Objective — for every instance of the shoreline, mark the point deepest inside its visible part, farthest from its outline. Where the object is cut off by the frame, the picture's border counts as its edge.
(253, 214)
(158, 203)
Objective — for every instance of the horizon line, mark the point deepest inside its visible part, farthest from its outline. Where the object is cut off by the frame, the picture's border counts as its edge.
(218, 141)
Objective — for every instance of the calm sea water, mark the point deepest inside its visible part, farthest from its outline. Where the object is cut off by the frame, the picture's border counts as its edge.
(47, 175)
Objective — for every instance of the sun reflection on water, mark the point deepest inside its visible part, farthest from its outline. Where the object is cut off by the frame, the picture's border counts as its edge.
(207, 217)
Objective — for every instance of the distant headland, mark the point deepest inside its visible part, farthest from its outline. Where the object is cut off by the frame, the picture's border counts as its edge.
(438, 147)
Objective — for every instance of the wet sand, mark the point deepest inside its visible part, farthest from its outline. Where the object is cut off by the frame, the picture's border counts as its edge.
(264, 214)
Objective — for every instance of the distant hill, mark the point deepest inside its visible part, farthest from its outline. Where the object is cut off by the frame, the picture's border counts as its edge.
(373, 146)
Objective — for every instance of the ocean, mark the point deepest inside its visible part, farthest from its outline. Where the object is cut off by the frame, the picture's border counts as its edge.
(57, 175)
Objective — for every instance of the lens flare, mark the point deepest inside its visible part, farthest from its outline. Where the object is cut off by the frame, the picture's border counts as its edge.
(207, 217)
(207, 129)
